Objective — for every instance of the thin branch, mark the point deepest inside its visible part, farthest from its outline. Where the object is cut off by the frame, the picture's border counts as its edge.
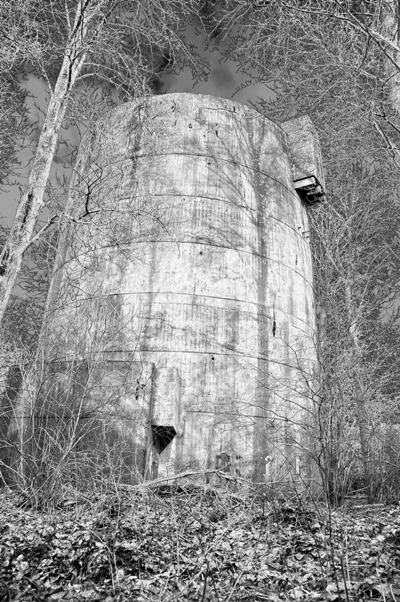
(39, 234)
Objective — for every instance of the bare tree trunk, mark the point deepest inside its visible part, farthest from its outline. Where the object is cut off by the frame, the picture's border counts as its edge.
(32, 201)
(363, 433)
(390, 27)
(359, 393)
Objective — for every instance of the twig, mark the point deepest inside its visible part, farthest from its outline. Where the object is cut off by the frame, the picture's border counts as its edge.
(183, 475)
(41, 231)
(234, 585)
(203, 595)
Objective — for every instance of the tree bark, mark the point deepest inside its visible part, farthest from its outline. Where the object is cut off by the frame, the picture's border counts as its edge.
(33, 199)
(390, 27)
(358, 389)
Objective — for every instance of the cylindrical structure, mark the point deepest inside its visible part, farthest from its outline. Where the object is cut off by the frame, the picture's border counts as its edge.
(182, 299)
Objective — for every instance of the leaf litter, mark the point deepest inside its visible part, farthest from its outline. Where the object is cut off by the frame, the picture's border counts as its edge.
(199, 545)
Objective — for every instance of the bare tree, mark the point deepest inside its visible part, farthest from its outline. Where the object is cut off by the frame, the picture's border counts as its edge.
(356, 251)
(12, 123)
(67, 43)
(338, 63)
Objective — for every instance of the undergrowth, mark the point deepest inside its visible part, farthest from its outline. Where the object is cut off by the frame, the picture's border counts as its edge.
(200, 544)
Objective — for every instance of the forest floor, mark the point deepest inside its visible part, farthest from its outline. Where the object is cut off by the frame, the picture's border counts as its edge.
(201, 545)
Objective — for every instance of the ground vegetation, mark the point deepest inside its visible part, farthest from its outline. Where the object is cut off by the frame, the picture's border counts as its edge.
(185, 543)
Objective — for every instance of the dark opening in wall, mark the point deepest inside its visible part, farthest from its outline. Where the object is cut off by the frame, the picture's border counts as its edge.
(223, 462)
(309, 190)
(162, 436)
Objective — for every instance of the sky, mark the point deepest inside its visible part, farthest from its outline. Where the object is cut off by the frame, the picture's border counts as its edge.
(224, 80)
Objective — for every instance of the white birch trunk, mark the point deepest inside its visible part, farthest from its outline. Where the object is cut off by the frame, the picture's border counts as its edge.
(32, 201)
(390, 27)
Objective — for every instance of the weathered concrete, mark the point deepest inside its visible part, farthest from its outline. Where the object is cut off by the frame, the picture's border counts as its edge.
(304, 149)
(184, 288)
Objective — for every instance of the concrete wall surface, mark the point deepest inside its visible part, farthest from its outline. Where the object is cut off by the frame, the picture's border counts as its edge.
(183, 293)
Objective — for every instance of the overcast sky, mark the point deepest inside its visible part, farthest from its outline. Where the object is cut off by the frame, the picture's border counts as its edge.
(224, 80)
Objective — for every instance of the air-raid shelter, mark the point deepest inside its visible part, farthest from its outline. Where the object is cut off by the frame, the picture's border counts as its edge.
(181, 316)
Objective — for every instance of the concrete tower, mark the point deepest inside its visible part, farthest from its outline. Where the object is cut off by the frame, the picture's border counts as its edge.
(181, 311)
